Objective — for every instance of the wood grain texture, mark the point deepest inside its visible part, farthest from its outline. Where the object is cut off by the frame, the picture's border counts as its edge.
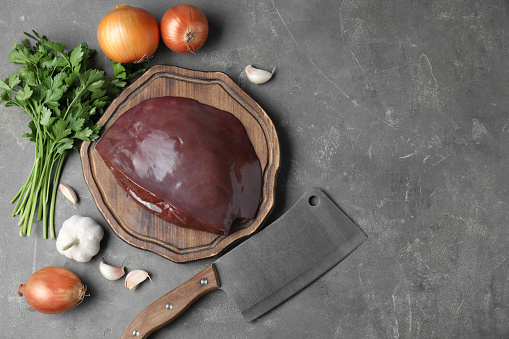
(171, 305)
(140, 228)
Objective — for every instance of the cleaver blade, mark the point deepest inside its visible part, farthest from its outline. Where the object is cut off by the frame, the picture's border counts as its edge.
(264, 271)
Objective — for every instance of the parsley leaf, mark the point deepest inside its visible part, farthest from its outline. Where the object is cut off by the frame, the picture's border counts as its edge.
(62, 92)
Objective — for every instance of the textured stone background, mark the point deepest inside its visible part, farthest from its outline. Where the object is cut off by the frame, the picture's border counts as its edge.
(397, 109)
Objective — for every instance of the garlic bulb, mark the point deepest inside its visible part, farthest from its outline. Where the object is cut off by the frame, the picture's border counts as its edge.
(258, 76)
(79, 238)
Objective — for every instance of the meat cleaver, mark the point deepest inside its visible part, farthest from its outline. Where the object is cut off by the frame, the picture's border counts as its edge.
(288, 255)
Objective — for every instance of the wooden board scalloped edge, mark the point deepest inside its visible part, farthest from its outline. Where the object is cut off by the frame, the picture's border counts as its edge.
(221, 243)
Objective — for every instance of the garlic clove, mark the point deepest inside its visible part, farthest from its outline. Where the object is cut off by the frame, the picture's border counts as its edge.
(258, 76)
(134, 278)
(111, 272)
(68, 193)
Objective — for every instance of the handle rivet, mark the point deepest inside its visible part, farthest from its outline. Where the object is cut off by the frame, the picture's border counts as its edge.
(136, 333)
(204, 282)
(169, 306)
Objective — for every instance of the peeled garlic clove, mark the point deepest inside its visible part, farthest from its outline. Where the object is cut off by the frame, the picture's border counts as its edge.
(134, 278)
(68, 193)
(258, 76)
(111, 272)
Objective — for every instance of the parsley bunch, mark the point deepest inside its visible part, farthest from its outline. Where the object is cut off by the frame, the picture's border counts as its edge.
(61, 92)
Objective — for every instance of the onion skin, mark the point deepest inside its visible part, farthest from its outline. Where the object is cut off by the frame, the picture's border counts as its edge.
(53, 290)
(128, 34)
(184, 28)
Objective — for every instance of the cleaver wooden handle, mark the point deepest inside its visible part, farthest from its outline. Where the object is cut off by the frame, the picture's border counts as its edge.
(171, 305)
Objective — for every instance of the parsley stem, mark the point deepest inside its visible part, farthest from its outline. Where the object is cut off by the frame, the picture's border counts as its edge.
(56, 179)
(43, 199)
(23, 192)
(35, 195)
(45, 194)
(73, 101)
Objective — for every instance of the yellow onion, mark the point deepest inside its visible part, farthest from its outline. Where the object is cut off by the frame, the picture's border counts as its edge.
(53, 290)
(184, 28)
(128, 34)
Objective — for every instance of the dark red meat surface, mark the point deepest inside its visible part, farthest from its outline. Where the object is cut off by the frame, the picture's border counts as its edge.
(188, 163)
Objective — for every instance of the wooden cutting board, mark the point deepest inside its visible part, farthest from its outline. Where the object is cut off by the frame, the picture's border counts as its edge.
(138, 227)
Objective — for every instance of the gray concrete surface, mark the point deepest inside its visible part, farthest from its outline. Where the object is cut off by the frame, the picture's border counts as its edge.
(397, 109)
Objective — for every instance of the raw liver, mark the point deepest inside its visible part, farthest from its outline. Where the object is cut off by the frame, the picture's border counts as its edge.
(188, 163)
